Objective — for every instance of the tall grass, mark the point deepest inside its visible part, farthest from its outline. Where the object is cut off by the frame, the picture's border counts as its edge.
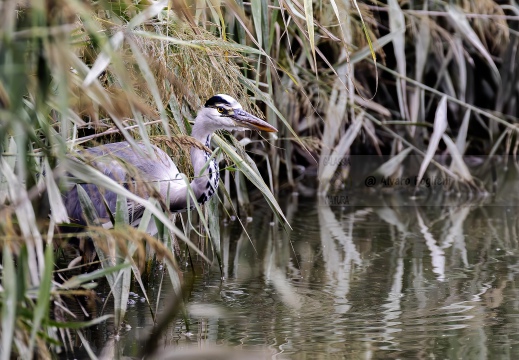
(81, 73)
(76, 73)
(442, 73)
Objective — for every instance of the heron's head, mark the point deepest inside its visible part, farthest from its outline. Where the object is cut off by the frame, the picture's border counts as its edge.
(224, 112)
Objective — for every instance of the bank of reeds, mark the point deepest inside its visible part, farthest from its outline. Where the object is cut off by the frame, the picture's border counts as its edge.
(75, 74)
(443, 83)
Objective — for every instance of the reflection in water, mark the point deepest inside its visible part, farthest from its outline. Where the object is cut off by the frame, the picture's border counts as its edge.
(357, 282)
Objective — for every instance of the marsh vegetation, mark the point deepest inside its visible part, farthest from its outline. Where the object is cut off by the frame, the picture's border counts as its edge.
(428, 84)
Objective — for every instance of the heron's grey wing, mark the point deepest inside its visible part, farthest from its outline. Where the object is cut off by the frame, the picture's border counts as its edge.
(157, 169)
(98, 196)
(130, 168)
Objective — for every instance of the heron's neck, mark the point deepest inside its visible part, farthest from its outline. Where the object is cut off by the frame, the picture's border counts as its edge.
(201, 131)
(199, 157)
(206, 176)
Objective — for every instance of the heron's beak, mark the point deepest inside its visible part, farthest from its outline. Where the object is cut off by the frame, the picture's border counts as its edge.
(249, 121)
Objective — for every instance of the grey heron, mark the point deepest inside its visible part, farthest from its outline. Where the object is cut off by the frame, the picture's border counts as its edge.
(121, 162)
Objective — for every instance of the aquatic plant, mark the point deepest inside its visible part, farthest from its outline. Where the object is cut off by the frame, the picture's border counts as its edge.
(78, 73)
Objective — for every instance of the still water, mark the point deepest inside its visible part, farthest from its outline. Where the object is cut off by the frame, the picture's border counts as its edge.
(354, 282)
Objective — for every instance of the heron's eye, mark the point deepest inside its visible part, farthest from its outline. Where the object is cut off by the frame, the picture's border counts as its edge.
(220, 109)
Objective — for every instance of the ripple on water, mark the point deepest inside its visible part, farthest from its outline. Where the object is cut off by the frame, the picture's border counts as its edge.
(388, 306)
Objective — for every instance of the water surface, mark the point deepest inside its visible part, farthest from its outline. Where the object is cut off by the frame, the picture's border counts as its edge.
(378, 282)
(431, 279)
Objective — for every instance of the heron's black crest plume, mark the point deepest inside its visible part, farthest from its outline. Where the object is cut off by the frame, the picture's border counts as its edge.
(217, 100)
